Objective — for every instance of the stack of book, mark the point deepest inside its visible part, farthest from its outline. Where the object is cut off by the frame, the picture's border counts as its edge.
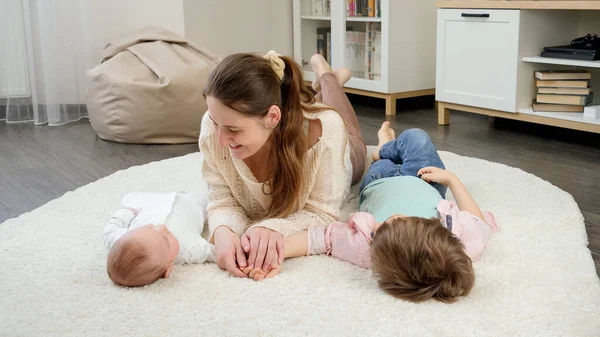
(363, 50)
(316, 7)
(563, 90)
(363, 8)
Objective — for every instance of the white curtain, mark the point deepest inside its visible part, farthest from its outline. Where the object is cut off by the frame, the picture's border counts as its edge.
(43, 57)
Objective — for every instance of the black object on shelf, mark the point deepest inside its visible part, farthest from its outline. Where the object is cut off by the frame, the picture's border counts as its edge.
(568, 52)
(590, 41)
(585, 48)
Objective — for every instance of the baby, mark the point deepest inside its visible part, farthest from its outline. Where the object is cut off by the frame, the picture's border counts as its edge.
(141, 252)
(419, 245)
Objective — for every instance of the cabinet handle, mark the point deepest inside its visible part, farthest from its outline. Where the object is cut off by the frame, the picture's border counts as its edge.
(471, 15)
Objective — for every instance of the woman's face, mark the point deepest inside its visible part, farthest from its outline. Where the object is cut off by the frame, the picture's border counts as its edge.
(244, 135)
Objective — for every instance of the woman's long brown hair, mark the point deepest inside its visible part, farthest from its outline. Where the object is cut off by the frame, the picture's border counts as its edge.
(248, 84)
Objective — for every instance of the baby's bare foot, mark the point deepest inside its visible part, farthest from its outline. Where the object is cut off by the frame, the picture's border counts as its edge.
(385, 134)
(319, 66)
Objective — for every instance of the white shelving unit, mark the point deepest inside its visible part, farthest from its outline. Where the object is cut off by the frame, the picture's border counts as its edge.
(407, 46)
(494, 77)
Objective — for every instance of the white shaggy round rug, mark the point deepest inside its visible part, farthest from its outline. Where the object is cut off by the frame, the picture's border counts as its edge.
(536, 278)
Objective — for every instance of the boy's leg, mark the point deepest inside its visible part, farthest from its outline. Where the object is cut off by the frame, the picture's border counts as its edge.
(413, 150)
(383, 168)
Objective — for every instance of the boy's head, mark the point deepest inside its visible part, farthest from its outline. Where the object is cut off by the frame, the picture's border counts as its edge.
(416, 259)
(142, 256)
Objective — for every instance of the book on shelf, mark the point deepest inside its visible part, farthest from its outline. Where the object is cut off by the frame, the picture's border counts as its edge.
(563, 75)
(367, 8)
(556, 107)
(316, 7)
(563, 84)
(564, 91)
(355, 53)
(363, 52)
(373, 62)
(565, 99)
(323, 42)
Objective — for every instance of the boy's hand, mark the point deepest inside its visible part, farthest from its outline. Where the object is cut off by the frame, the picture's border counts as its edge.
(436, 175)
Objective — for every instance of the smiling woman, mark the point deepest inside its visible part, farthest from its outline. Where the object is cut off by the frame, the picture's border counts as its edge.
(276, 161)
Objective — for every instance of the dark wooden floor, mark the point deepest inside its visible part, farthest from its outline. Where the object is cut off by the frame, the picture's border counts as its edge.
(38, 164)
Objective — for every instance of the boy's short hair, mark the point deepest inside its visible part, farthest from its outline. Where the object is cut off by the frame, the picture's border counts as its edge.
(416, 259)
(128, 264)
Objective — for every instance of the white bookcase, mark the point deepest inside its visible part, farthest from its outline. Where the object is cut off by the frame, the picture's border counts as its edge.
(407, 45)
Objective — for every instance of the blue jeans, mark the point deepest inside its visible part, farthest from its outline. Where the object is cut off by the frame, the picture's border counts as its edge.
(405, 156)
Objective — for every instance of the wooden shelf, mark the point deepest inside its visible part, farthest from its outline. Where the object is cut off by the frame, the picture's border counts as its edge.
(316, 17)
(502, 4)
(564, 62)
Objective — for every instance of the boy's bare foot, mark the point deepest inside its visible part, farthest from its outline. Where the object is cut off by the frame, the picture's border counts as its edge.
(385, 134)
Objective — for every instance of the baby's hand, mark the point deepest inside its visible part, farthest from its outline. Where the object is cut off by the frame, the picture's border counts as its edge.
(135, 211)
(436, 175)
(258, 274)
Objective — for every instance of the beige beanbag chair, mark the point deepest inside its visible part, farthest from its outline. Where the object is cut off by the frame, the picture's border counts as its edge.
(148, 88)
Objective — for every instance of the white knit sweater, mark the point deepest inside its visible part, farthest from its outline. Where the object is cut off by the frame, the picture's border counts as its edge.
(236, 198)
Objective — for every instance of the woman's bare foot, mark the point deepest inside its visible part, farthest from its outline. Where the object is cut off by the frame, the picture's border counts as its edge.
(319, 66)
(343, 74)
(385, 134)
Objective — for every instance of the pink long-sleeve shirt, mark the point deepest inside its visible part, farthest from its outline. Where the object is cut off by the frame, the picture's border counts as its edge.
(350, 241)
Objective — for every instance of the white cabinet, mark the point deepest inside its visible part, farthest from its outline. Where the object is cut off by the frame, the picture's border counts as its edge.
(401, 48)
(486, 60)
(477, 57)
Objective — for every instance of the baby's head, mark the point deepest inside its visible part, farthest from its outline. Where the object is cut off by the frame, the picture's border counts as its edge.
(142, 256)
(416, 259)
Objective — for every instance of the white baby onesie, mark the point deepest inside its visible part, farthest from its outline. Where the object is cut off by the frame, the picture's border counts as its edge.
(183, 213)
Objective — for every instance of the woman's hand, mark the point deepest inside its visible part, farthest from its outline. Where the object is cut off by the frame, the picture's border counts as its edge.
(264, 248)
(436, 175)
(229, 251)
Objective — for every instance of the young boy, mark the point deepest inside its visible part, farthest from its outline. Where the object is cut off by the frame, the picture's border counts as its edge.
(418, 244)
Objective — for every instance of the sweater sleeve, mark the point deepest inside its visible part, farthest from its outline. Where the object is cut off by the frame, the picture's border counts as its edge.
(117, 226)
(324, 200)
(223, 208)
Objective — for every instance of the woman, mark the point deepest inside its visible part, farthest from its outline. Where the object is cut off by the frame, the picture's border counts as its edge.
(275, 160)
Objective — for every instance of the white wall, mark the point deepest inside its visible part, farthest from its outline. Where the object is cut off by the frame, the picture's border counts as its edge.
(233, 26)
(110, 18)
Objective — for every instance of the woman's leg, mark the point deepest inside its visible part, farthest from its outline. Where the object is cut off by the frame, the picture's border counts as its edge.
(332, 94)
(413, 150)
